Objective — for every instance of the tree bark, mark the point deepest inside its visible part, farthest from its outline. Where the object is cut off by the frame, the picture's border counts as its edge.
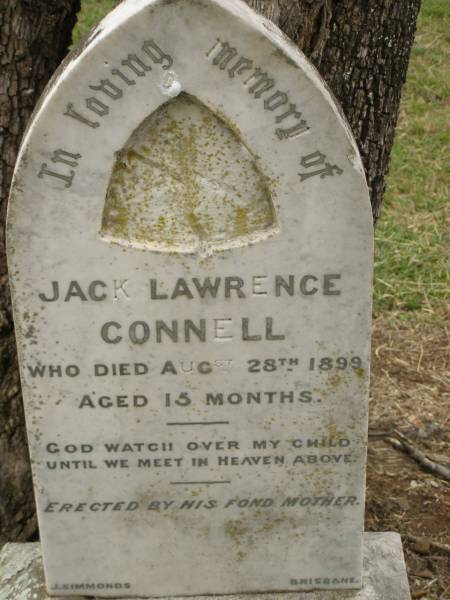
(362, 49)
(34, 37)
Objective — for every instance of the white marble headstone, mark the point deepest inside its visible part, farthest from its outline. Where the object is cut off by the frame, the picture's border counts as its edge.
(190, 251)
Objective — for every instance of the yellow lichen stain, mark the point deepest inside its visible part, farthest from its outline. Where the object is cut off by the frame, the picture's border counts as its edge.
(360, 373)
(241, 221)
(236, 530)
(332, 431)
(186, 179)
(334, 434)
(335, 381)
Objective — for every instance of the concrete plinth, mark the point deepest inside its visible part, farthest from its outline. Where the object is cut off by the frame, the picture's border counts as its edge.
(22, 576)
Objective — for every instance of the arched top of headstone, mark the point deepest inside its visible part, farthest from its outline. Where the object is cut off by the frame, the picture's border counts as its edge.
(253, 95)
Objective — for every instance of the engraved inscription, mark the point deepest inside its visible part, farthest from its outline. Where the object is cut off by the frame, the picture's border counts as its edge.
(259, 83)
(132, 66)
(65, 158)
(318, 166)
(262, 85)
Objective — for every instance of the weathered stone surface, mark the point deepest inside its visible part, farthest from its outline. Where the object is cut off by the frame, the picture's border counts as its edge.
(384, 578)
(185, 182)
(190, 250)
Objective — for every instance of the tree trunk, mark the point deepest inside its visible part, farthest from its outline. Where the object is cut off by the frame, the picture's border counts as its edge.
(34, 37)
(361, 48)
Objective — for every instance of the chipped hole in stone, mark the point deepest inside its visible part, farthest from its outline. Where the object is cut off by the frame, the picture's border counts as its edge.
(185, 182)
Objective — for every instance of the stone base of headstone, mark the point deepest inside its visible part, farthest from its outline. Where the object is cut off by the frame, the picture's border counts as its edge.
(22, 576)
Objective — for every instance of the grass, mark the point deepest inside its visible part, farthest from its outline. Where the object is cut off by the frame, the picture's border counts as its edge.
(413, 234)
(92, 11)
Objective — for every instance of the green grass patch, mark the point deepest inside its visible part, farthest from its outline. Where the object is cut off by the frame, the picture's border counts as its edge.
(435, 9)
(92, 11)
(412, 236)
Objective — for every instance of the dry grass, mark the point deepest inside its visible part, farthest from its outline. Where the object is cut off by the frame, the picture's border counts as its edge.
(410, 392)
(413, 236)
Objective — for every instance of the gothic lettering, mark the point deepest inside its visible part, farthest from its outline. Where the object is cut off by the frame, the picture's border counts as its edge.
(224, 56)
(316, 159)
(157, 55)
(108, 88)
(112, 90)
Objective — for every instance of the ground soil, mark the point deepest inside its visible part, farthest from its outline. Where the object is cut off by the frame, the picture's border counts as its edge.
(411, 393)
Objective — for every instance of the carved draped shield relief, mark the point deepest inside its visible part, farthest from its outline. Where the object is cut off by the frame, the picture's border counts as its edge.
(185, 182)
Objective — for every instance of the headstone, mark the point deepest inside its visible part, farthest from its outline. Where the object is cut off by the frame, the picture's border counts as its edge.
(190, 251)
